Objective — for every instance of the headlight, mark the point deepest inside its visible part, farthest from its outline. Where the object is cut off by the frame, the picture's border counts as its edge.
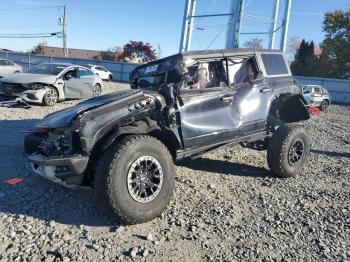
(58, 142)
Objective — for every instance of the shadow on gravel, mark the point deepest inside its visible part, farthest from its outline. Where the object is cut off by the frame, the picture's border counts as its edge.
(227, 168)
(37, 197)
(329, 153)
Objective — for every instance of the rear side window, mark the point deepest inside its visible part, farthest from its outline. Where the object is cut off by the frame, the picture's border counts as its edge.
(274, 64)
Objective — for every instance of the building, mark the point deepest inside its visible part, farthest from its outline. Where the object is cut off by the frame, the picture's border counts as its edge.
(77, 53)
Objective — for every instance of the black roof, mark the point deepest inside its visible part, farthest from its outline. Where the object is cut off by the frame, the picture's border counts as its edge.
(212, 53)
(226, 52)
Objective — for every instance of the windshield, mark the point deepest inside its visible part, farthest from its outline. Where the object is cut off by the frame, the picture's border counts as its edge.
(155, 74)
(47, 69)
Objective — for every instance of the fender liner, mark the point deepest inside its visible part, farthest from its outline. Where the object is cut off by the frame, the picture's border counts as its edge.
(288, 108)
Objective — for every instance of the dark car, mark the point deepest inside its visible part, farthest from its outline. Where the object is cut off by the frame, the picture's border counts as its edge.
(124, 144)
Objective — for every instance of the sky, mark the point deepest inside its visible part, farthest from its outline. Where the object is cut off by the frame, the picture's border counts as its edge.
(103, 24)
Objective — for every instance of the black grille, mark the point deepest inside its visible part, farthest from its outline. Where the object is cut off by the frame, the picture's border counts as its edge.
(11, 88)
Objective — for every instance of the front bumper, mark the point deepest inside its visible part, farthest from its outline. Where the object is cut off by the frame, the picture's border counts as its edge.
(315, 103)
(67, 171)
(30, 96)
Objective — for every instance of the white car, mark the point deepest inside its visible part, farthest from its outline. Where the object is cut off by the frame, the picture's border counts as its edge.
(8, 67)
(101, 72)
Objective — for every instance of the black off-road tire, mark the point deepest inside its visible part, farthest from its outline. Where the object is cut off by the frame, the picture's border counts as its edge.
(110, 78)
(280, 146)
(51, 97)
(324, 105)
(110, 179)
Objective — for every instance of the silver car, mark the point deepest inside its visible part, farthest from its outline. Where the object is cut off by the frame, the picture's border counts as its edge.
(316, 96)
(49, 83)
(8, 67)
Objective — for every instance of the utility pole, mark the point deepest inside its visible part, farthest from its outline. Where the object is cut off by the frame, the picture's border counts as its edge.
(274, 19)
(64, 24)
(234, 24)
(285, 25)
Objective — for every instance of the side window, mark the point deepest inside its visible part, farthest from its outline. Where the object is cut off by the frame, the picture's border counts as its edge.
(85, 73)
(2, 62)
(274, 64)
(206, 74)
(241, 70)
(100, 68)
(7, 63)
(317, 90)
(72, 73)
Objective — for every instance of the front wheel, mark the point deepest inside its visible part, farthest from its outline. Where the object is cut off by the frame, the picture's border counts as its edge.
(324, 105)
(134, 179)
(287, 150)
(51, 97)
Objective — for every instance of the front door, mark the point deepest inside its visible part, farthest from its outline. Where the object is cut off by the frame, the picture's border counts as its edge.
(79, 85)
(208, 116)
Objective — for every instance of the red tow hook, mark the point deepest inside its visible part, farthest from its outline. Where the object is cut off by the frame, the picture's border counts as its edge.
(314, 110)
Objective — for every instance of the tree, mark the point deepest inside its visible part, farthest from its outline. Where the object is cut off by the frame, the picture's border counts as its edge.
(138, 52)
(39, 49)
(107, 54)
(335, 54)
(254, 43)
(305, 62)
(293, 45)
(112, 54)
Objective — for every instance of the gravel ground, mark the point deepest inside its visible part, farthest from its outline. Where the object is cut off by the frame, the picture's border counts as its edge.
(226, 206)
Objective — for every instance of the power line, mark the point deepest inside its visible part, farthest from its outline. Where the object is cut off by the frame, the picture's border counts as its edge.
(33, 35)
(29, 26)
(30, 8)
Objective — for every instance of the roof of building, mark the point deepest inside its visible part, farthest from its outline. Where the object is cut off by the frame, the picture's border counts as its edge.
(72, 52)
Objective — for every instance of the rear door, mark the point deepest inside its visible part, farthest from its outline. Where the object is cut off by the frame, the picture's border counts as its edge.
(253, 93)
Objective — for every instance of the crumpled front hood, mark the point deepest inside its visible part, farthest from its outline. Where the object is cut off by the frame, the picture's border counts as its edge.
(63, 117)
(26, 78)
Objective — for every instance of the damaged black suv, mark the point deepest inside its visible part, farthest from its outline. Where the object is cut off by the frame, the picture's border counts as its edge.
(124, 144)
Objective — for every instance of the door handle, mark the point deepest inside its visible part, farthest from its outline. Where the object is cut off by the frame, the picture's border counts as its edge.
(227, 98)
(266, 90)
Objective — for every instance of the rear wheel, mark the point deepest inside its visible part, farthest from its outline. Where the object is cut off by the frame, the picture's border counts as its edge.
(50, 97)
(97, 90)
(287, 150)
(324, 105)
(134, 179)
